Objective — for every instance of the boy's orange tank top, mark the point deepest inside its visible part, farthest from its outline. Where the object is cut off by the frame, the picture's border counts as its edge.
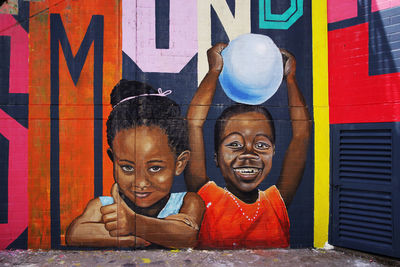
(230, 223)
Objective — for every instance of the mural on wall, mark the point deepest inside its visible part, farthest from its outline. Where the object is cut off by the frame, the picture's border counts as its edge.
(148, 146)
(244, 148)
(147, 171)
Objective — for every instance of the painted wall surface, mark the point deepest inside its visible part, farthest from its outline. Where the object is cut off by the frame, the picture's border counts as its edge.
(364, 99)
(364, 62)
(69, 178)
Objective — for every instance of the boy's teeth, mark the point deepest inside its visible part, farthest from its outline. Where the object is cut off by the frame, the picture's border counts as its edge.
(247, 170)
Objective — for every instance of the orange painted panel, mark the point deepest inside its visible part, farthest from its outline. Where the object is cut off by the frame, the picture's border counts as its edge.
(76, 133)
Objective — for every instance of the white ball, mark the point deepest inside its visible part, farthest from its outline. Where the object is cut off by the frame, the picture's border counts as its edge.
(253, 69)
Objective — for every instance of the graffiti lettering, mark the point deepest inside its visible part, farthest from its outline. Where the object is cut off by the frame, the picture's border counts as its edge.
(94, 34)
(279, 21)
(139, 41)
(233, 25)
(14, 87)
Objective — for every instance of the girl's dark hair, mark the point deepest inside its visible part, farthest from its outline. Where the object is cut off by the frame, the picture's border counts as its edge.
(235, 110)
(157, 111)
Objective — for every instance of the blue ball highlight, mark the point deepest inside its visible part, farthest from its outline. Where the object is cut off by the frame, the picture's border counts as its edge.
(253, 69)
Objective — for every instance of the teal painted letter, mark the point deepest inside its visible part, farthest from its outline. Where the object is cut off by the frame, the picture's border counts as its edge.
(279, 21)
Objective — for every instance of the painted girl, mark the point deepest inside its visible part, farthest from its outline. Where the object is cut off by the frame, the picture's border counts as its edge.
(148, 147)
(240, 215)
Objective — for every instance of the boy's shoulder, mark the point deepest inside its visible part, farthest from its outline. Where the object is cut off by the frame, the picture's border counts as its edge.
(211, 191)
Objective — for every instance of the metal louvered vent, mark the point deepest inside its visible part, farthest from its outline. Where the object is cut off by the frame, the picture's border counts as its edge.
(365, 216)
(366, 155)
(364, 187)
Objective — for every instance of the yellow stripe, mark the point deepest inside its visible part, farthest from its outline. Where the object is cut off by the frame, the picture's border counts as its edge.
(321, 121)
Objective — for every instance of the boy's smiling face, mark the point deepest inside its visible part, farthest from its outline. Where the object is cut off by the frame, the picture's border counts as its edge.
(144, 164)
(245, 152)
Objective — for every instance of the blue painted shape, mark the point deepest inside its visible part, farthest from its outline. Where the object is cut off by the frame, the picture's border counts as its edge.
(162, 23)
(21, 242)
(106, 200)
(95, 35)
(4, 150)
(23, 14)
(283, 21)
(173, 205)
(383, 43)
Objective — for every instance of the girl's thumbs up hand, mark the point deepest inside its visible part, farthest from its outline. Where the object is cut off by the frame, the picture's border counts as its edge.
(118, 218)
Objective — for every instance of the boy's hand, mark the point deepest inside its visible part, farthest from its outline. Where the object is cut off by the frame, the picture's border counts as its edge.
(118, 218)
(215, 62)
(289, 63)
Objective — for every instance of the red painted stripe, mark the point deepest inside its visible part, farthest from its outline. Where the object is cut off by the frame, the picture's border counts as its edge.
(354, 96)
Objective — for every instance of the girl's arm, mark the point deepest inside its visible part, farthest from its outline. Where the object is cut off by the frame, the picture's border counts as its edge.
(88, 230)
(195, 172)
(296, 154)
(176, 231)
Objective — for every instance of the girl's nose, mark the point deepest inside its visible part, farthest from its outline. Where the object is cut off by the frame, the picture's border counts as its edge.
(142, 181)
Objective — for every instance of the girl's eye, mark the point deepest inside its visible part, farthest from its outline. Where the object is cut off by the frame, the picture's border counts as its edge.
(127, 168)
(155, 169)
(235, 145)
(262, 145)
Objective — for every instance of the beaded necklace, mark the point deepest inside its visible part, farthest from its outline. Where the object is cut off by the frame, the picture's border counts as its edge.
(250, 219)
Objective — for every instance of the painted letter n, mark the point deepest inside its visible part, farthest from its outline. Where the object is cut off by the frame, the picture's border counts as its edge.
(279, 21)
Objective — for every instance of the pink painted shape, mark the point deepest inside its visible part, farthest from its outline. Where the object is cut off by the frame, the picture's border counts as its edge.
(341, 10)
(16, 134)
(377, 5)
(17, 179)
(139, 40)
(19, 68)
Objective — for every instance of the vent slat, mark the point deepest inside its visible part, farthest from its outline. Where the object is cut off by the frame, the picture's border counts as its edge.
(367, 225)
(372, 232)
(365, 194)
(364, 180)
(352, 236)
(366, 158)
(380, 212)
(377, 132)
(366, 169)
(372, 147)
(371, 164)
(367, 201)
(360, 152)
(364, 175)
(355, 217)
(367, 141)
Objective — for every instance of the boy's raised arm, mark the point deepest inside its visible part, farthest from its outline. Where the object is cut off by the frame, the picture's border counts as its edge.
(195, 172)
(296, 154)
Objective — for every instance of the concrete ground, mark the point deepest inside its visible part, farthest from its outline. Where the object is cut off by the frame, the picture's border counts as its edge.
(273, 257)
